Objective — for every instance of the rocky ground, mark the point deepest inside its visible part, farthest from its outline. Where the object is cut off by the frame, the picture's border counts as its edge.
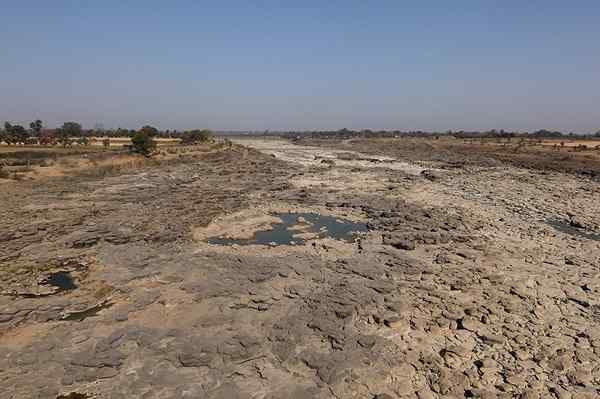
(475, 280)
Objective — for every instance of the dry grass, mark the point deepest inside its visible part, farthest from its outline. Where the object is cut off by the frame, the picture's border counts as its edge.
(96, 163)
(123, 141)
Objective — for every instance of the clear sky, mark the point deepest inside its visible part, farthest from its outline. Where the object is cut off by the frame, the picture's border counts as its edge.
(428, 65)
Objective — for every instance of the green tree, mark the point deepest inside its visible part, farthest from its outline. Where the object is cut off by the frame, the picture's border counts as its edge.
(3, 135)
(20, 134)
(15, 134)
(142, 141)
(150, 131)
(71, 129)
(68, 130)
(7, 133)
(36, 127)
(196, 136)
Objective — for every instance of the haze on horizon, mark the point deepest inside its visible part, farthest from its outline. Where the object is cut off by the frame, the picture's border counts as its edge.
(469, 65)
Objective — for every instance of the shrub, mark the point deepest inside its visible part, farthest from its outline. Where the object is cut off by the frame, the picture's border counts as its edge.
(150, 131)
(196, 136)
(142, 143)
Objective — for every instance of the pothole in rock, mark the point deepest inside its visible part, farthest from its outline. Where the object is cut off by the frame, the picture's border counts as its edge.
(566, 227)
(297, 228)
(61, 280)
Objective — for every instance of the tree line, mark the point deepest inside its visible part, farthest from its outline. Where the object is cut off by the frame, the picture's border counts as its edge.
(72, 133)
(367, 133)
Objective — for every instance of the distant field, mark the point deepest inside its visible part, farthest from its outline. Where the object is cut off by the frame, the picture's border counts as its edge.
(39, 162)
(95, 143)
(121, 141)
(56, 150)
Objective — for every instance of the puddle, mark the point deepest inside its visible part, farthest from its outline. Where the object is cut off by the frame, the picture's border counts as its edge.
(84, 314)
(565, 227)
(61, 280)
(296, 228)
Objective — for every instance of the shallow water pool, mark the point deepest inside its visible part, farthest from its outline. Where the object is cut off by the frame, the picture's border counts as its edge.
(295, 227)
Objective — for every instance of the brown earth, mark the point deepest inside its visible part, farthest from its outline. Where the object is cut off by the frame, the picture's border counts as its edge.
(478, 278)
(35, 163)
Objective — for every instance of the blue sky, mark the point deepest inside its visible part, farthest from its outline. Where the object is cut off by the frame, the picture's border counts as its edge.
(303, 65)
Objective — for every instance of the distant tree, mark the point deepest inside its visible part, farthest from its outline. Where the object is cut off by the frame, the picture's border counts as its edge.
(66, 131)
(15, 134)
(143, 140)
(196, 136)
(597, 134)
(120, 132)
(36, 127)
(7, 133)
(151, 131)
(546, 133)
(71, 129)
(3, 135)
(83, 141)
(20, 134)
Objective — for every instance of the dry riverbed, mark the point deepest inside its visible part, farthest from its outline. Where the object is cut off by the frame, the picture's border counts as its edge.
(473, 280)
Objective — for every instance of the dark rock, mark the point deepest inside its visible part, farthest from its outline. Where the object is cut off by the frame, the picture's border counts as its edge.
(576, 222)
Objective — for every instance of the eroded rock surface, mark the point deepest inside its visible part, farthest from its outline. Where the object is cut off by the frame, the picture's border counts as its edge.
(460, 288)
